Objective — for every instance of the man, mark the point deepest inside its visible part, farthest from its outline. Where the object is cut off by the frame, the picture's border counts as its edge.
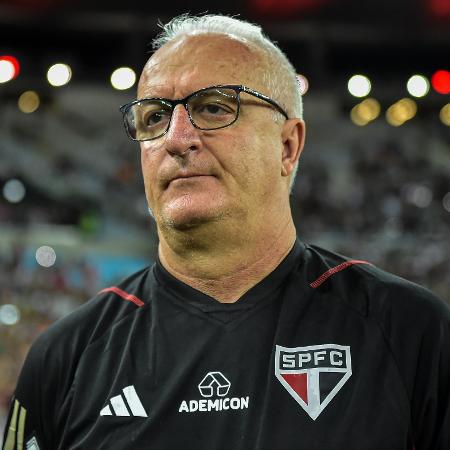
(240, 336)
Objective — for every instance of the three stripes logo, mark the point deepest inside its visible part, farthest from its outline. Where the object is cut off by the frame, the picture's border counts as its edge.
(32, 444)
(16, 430)
(127, 404)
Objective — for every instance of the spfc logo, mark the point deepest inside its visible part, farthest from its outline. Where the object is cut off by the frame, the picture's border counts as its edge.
(313, 375)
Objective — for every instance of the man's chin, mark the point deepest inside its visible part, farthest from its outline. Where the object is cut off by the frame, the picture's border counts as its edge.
(185, 224)
(187, 212)
(189, 220)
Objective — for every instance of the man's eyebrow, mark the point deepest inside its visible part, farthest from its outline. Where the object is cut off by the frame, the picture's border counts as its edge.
(148, 91)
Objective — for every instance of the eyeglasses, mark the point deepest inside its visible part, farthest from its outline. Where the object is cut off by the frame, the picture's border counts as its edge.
(210, 108)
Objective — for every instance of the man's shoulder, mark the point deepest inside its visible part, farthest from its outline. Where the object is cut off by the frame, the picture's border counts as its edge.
(367, 288)
(99, 314)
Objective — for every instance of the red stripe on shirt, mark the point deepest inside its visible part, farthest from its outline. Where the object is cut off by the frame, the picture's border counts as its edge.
(316, 283)
(124, 295)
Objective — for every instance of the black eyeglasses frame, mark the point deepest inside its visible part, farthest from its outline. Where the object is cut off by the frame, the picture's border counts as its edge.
(238, 88)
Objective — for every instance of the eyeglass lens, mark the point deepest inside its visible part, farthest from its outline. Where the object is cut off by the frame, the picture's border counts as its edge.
(208, 109)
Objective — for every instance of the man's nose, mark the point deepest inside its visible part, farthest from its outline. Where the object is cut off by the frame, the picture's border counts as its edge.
(181, 136)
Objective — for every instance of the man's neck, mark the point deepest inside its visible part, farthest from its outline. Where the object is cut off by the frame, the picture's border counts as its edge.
(226, 268)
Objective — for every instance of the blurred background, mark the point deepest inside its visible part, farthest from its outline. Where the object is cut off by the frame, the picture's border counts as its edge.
(373, 183)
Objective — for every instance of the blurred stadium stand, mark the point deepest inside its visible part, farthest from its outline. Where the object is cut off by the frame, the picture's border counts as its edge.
(376, 192)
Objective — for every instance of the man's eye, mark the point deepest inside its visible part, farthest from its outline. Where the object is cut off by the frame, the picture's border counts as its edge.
(156, 118)
(213, 109)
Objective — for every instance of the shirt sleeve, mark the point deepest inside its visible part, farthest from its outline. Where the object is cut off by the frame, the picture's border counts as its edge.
(417, 327)
(431, 388)
(26, 427)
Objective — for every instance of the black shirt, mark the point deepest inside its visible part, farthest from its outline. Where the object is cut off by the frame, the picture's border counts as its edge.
(324, 353)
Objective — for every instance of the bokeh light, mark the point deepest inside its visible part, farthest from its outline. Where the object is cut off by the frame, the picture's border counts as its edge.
(14, 191)
(418, 195)
(45, 256)
(446, 202)
(444, 114)
(359, 86)
(440, 81)
(59, 74)
(418, 86)
(365, 112)
(303, 83)
(123, 78)
(9, 68)
(401, 111)
(9, 315)
(28, 102)
(6, 71)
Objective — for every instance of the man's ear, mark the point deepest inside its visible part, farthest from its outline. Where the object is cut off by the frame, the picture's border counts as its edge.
(293, 140)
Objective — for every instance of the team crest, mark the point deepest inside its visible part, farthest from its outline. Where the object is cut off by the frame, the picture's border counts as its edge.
(313, 375)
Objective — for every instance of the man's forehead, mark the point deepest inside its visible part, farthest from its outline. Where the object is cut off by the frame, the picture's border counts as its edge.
(199, 45)
(214, 57)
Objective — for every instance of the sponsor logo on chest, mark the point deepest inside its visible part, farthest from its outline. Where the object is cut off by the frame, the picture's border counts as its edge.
(313, 375)
(214, 389)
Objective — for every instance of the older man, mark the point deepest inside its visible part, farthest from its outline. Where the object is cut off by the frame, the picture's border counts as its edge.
(240, 336)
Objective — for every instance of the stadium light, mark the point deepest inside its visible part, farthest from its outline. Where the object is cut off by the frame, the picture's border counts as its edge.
(418, 86)
(401, 111)
(441, 81)
(28, 102)
(444, 114)
(364, 112)
(59, 74)
(359, 86)
(123, 78)
(9, 68)
(303, 84)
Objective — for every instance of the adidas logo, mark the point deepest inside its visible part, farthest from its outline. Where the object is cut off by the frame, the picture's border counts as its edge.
(32, 444)
(119, 404)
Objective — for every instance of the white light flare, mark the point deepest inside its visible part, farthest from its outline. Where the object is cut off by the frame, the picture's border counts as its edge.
(7, 71)
(59, 74)
(418, 86)
(45, 256)
(123, 78)
(359, 86)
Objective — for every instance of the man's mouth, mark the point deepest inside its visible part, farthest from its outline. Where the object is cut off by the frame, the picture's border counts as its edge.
(188, 176)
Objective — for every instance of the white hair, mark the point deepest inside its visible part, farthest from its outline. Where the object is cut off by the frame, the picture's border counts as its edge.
(281, 78)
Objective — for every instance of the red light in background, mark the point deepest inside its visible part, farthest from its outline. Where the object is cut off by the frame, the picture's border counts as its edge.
(441, 81)
(14, 61)
(440, 8)
(285, 8)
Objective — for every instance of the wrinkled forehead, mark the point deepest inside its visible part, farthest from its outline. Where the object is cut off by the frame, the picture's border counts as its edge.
(192, 62)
